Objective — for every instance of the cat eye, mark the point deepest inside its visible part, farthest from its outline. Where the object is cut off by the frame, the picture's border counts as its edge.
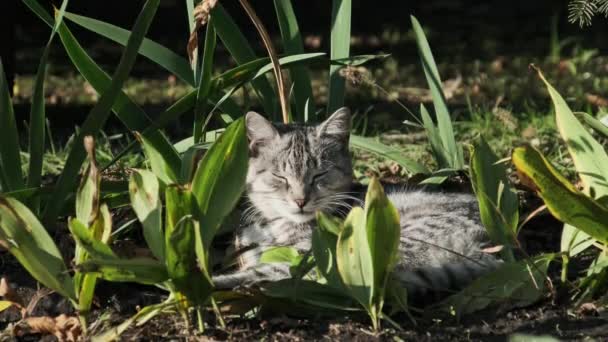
(281, 178)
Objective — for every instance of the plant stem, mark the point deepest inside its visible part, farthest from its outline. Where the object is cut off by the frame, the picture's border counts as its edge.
(273, 57)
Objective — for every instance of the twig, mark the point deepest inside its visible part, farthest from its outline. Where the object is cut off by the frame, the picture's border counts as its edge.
(273, 57)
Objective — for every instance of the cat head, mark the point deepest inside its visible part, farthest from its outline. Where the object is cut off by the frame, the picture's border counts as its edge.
(295, 170)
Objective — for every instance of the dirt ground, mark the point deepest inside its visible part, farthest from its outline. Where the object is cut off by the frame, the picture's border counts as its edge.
(115, 302)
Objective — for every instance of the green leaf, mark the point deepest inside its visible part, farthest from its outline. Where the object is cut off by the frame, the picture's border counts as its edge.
(292, 45)
(354, 258)
(385, 151)
(340, 48)
(358, 60)
(204, 85)
(10, 160)
(281, 254)
(309, 292)
(563, 200)
(143, 315)
(162, 168)
(432, 133)
(87, 196)
(145, 200)
(531, 338)
(100, 112)
(39, 11)
(138, 270)
(88, 242)
(26, 239)
(574, 241)
(444, 121)
(596, 124)
(498, 201)
(589, 156)
(324, 241)
(242, 52)
(220, 177)
(37, 114)
(515, 284)
(383, 232)
(129, 113)
(181, 256)
(157, 53)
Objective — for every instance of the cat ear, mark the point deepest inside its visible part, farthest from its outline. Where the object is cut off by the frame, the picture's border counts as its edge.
(337, 125)
(259, 131)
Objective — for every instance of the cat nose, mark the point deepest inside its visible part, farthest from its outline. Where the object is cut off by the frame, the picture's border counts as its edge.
(300, 202)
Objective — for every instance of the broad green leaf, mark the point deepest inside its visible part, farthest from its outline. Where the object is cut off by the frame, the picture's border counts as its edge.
(310, 292)
(563, 200)
(340, 48)
(374, 146)
(589, 156)
(498, 201)
(88, 194)
(138, 270)
(180, 253)
(10, 160)
(100, 112)
(444, 121)
(28, 241)
(157, 53)
(204, 81)
(220, 178)
(242, 52)
(383, 232)
(324, 241)
(280, 254)
(354, 258)
(162, 168)
(292, 45)
(145, 201)
(596, 124)
(37, 114)
(515, 284)
(574, 241)
(88, 242)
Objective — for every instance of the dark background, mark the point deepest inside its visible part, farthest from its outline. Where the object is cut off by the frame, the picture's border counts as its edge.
(458, 29)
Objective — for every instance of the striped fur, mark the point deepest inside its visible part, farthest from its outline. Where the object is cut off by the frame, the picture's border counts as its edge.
(295, 170)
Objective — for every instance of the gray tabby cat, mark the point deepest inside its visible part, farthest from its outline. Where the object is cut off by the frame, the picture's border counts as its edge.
(295, 170)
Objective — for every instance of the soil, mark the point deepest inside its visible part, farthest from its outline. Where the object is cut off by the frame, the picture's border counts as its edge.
(115, 302)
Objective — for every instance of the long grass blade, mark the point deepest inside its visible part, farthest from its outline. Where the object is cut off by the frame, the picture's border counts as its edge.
(385, 151)
(444, 121)
(10, 159)
(37, 114)
(340, 48)
(204, 85)
(150, 49)
(292, 44)
(242, 52)
(99, 114)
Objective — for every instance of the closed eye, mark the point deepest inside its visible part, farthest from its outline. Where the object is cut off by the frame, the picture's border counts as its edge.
(280, 177)
(318, 176)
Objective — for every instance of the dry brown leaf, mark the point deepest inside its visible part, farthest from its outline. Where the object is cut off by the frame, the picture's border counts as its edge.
(596, 100)
(64, 328)
(7, 292)
(201, 17)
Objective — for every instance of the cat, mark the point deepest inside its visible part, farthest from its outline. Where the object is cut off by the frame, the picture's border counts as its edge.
(296, 170)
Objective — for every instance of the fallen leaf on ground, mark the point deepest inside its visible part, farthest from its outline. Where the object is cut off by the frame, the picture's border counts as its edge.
(64, 328)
